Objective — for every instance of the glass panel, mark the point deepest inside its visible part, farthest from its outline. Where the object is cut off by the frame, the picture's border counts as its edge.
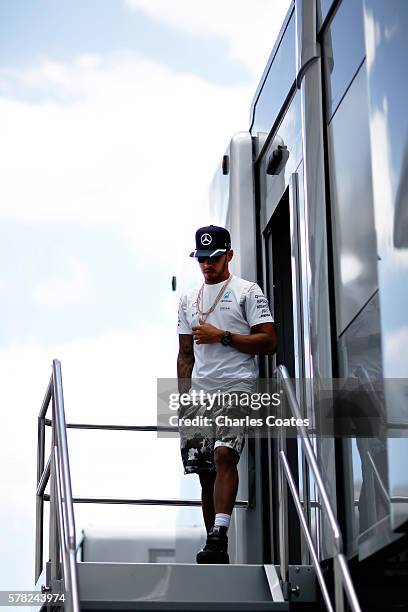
(278, 82)
(354, 237)
(388, 93)
(344, 50)
(360, 361)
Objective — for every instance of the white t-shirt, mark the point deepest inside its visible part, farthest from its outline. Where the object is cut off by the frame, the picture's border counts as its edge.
(241, 306)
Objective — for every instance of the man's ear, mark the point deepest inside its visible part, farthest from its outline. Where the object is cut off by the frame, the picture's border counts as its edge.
(230, 254)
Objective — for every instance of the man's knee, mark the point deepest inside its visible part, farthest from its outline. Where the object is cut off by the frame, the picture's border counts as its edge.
(225, 458)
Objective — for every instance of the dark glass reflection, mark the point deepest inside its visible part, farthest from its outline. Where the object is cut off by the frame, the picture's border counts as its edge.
(354, 235)
(279, 80)
(362, 400)
(344, 50)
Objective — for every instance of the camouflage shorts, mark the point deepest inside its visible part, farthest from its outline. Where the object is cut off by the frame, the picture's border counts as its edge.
(198, 442)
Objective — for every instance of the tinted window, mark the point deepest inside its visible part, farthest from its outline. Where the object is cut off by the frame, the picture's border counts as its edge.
(279, 80)
(354, 237)
(344, 50)
(360, 359)
(289, 133)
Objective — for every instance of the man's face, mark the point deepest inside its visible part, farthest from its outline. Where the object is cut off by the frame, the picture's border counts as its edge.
(215, 268)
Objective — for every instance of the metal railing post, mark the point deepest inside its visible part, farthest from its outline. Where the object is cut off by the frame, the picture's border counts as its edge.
(63, 489)
(40, 447)
(54, 549)
(283, 527)
(283, 511)
(61, 526)
(63, 449)
(39, 529)
(338, 586)
(39, 501)
(39, 535)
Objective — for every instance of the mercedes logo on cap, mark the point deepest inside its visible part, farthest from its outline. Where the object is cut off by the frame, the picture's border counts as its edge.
(206, 239)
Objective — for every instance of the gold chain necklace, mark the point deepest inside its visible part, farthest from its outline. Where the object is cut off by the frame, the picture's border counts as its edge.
(200, 298)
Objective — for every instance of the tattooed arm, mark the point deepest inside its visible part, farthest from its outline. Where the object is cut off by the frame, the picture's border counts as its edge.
(185, 362)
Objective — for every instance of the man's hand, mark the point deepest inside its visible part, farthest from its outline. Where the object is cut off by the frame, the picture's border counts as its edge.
(205, 333)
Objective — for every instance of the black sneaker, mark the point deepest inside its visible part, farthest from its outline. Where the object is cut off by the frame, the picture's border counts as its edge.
(215, 549)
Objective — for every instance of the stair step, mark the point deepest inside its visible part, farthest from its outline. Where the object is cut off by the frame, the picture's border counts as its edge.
(180, 606)
(178, 586)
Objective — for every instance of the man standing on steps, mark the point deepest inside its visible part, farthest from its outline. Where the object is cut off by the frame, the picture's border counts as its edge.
(221, 327)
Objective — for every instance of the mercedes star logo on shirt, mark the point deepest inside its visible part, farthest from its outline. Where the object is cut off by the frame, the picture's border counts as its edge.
(206, 239)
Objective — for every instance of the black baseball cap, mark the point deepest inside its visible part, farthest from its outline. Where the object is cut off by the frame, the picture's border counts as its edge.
(211, 241)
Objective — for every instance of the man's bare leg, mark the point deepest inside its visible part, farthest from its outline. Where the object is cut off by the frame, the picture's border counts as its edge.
(207, 480)
(226, 482)
(224, 494)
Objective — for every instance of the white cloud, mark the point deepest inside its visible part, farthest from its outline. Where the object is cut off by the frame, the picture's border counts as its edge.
(382, 179)
(373, 38)
(249, 28)
(121, 142)
(351, 268)
(58, 292)
(391, 31)
(395, 345)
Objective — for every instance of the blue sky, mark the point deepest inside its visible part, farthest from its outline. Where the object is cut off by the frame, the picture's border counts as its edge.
(114, 115)
(66, 29)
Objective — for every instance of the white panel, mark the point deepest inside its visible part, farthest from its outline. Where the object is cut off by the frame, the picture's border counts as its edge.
(242, 206)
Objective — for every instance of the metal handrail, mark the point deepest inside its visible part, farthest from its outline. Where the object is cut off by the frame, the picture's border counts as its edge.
(129, 501)
(241, 503)
(60, 517)
(102, 426)
(62, 467)
(62, 522)
(341, 571)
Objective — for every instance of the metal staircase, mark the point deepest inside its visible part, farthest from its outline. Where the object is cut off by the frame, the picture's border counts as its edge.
(166, 586)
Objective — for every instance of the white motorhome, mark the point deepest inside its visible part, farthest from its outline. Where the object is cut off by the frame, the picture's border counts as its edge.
(315, 194)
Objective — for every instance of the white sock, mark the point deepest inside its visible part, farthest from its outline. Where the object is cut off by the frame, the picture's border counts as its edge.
(222, 520)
